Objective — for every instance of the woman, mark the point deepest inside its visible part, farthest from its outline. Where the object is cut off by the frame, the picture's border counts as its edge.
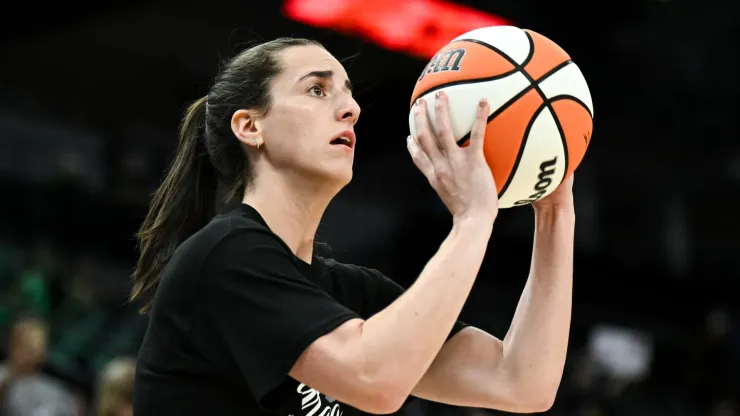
(246, 320)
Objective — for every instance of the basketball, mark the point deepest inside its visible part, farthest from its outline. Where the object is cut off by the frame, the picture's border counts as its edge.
(541, 113)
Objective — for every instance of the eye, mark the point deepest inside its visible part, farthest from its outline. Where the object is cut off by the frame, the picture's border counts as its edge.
(317, 90)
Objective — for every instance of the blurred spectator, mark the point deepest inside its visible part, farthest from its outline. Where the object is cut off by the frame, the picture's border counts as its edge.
(114, 390)
(24, 390)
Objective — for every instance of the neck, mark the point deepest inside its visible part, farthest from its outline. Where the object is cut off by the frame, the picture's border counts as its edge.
(291, 208)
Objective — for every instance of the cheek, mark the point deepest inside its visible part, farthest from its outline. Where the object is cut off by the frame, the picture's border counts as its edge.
(286, 120)
(294, 132)
(290, 145)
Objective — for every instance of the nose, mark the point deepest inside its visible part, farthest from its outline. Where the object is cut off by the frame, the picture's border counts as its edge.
(349, 110)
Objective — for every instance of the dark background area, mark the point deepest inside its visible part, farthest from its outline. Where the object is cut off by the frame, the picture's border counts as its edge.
(91, 96)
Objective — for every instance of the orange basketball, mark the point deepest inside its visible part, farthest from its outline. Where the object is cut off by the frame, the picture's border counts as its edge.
(541, 109)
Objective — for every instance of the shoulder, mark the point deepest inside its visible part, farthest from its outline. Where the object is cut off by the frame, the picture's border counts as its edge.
(225, 237)
(227, 244)
(348, 271)
(52, 390)
(335, 266)
(229, 226)
(243, 243)
(53, 386)
(365, 289)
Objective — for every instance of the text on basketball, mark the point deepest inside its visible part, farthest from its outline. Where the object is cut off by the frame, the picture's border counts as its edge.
(544, 179)
(449, 60)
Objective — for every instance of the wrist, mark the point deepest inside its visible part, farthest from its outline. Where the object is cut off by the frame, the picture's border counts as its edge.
(472, 221)
(547, 217)
(565, 209)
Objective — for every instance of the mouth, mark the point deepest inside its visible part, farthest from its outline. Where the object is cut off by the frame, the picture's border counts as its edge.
(346, 138)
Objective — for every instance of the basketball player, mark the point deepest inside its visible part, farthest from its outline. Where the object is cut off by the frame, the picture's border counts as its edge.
(246, 320)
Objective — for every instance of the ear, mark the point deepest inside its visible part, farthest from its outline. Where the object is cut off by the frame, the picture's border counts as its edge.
(246, 128)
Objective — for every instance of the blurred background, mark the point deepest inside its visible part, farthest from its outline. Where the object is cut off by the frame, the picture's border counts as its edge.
(91, 96)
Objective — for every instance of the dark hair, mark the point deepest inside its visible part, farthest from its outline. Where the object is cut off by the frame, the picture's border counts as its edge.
(207, 154)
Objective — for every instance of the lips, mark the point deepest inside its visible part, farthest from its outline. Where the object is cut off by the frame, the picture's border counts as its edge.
(345, 138)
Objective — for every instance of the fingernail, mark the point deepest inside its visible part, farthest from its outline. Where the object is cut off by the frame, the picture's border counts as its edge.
(408, 139)
(437, 94)
(420, 101)
(482, 103)
(416, 103)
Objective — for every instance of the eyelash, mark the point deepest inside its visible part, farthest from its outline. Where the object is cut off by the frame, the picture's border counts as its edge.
(320, 87)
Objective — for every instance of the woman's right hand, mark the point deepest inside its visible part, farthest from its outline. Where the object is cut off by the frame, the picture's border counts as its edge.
(460, 175)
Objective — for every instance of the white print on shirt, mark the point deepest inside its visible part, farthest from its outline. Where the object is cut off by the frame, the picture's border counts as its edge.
(311, 403)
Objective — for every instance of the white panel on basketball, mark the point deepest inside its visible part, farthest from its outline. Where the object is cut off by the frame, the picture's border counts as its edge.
(568, 80)
(463, 100)
(540, 147)
(508, 39)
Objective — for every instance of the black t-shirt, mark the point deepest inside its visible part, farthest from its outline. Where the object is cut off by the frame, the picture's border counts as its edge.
(232, 313)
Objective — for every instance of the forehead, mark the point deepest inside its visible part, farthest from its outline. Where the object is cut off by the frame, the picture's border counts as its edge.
(297, 61)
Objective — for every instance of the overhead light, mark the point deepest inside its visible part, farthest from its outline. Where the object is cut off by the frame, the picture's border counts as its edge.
(416, 27)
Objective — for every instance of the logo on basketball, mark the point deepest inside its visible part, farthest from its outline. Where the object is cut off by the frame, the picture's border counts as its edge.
(541, 106)
(448, 60)
(544, 179)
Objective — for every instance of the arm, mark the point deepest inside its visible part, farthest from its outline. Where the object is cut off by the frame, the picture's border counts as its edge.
(374, 364)
(291, 326)
(521, 373)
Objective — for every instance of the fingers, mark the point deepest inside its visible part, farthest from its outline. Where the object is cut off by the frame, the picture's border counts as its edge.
(424, 134)
(421, 160)
(478, 132)
(445, 139)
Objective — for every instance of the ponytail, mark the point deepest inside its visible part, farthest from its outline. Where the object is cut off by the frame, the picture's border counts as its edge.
(183, 204)
(208, 155)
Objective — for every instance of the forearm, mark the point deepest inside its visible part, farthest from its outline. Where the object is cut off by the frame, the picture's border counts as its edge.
(399, 343)
(537, 341)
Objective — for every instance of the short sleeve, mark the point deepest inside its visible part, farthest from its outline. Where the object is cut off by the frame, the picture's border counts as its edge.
(369, 291)
(261, 309)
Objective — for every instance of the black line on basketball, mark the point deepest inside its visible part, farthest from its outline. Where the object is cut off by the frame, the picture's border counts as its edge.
(555, 118)
(531, 49)
(533, 84)
(521, 149)
(555, 69)
(520, 95)
(465, 81)
(549, 106)
(532, 80)
(498, 111)
(521, 67)
(495, 49)
(572, 98)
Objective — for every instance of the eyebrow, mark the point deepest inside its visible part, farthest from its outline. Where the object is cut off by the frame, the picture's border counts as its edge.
(328, 74)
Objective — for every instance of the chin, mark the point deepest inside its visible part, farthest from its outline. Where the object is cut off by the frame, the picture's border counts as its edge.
(338, 176)
(332, 174)
(342, 178)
